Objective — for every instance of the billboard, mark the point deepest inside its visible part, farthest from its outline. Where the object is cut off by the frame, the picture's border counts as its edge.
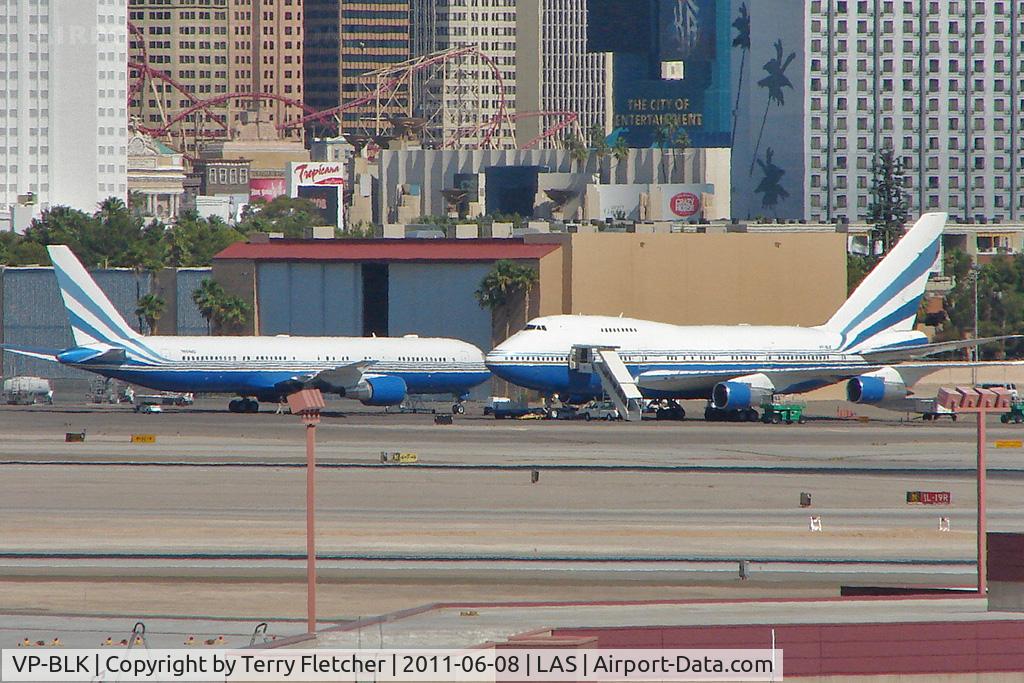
(680, 81)
(267, 189)
(323, 183)
(326, 201)
(680, 202)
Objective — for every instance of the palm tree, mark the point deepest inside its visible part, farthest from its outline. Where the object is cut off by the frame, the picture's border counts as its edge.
(620, 152)
(578, 151)
(233, 313)
(680, 143)
(503, 291)
(599, 144)
(150, 308)
(208, 299)
(663, 135)
(505, 280)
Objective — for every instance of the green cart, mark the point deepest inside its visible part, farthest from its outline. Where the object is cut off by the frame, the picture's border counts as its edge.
(774, 413)
(1016, 414)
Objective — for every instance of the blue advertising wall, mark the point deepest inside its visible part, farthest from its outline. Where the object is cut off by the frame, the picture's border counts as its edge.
(693, 33)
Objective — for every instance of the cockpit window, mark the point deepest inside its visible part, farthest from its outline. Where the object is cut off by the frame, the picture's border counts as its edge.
(532, 326)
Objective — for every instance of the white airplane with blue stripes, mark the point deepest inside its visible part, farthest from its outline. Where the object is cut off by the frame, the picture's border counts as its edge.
(374, 370)
(869, 342)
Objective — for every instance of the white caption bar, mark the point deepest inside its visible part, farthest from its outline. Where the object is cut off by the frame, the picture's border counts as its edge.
(564, 664)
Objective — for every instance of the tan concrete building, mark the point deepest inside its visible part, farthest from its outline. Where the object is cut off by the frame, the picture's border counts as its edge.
(346, 40)
(391, 287)
(212, 48)
(265, 53)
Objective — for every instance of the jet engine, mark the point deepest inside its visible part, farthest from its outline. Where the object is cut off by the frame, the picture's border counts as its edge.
(873, 388)
(380, 390)
(742, 393)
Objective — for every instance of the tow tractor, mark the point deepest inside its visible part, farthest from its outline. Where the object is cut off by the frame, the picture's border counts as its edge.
(774, 413)
(1016, 414)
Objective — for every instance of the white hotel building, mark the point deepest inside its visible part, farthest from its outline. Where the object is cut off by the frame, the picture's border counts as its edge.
(556, 73)
(938, 81)
(63, 89)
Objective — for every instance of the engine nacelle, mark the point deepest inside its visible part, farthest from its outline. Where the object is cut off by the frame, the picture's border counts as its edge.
(742, 392)
(379, 390)
(877, 387)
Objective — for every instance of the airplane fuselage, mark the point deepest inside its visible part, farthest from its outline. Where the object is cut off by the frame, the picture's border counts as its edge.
(538, 356)
(256, 366)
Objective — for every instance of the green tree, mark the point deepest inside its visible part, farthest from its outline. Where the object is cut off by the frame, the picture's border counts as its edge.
(600, 148)
(889, 207)
(232, 314)
(680, 143)
(578, 150)
(287, 215)
(208, 298)
(1000, 303)
(506, 280)
(194, 241)
(150, 308)
(662, 140)
(857, 268)
(505, 292)
(619, 152)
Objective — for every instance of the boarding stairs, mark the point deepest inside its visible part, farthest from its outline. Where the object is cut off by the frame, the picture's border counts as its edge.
(605, 362)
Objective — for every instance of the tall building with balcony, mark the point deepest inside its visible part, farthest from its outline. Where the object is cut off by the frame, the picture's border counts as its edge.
(345, 42)
(935, 81)
(63, 85)
(208, 50)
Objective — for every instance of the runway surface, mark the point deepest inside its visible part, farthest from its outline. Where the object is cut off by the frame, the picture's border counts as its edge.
(209, 520)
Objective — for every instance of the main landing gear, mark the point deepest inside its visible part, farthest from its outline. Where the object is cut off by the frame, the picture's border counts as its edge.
(244, 405)
(458, 409)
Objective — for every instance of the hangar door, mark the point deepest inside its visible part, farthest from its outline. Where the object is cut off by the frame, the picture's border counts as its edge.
(437, 300)
(310, 299)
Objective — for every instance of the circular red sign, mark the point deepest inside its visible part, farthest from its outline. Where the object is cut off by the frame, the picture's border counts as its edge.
(685, 204)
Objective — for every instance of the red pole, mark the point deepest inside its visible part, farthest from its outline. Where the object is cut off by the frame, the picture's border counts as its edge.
(310, 528)
(982, 527)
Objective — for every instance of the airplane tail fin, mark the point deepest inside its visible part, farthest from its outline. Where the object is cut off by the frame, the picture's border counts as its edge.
(94, 320)
(889, 297)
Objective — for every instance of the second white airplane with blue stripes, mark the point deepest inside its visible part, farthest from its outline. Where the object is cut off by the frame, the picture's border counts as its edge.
(870, 342)
(374, 370)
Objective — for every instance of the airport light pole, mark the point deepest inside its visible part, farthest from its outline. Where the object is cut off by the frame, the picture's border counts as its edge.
(307, 405)
(981, 402)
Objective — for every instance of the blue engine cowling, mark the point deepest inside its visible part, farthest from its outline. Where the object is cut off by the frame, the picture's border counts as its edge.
(865, 390)
(876, 387)
(384, 391)
(740, 394)
(731, 396)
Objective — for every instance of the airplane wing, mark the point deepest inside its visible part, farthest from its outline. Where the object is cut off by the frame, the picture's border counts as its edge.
(894, 355)
(32, 352)
(341, 377)
(344, 375)
(685, 381)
